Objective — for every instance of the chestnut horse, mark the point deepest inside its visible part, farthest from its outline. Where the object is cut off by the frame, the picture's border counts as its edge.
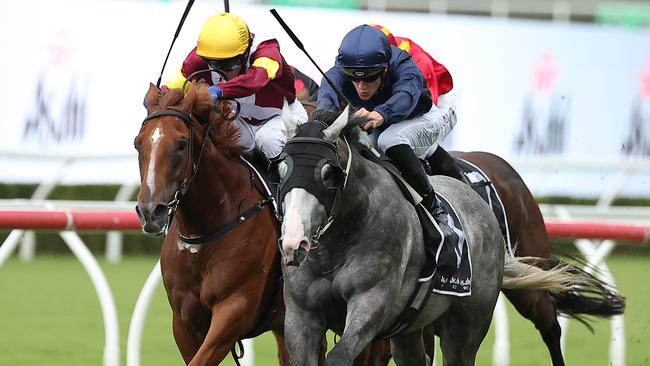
(219, 259)
(221, 272)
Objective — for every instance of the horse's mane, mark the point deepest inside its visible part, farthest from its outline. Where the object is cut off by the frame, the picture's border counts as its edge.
(224, 134)
(353, 129)
(171, 98)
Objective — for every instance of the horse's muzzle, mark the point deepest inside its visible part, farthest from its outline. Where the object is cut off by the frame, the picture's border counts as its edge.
(294, 256)
(153, 217)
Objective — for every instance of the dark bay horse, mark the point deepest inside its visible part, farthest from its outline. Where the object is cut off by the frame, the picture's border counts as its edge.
(354, 271)
(219, 260)
(528, 235)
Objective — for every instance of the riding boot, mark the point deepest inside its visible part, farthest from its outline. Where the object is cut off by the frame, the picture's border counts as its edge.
(415, 175)
(441, 163)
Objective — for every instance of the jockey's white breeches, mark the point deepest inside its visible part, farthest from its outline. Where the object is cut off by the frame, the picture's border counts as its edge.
(271, 135)
(422, 133)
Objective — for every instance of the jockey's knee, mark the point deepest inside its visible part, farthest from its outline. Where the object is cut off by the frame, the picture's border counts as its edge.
(271, 146)
(386, 141)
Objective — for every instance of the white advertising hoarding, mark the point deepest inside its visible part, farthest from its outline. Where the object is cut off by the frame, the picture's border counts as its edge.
(75, 72)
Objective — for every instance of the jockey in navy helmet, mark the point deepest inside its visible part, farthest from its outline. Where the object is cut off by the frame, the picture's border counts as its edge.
(386, 84)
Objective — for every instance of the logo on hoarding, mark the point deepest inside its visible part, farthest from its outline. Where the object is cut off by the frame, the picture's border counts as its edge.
(57, 115)
(543, 127)
(638, 139)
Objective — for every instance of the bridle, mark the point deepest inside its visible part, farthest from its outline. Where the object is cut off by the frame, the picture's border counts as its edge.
(319, 152)
(192, 166)
(320, 230)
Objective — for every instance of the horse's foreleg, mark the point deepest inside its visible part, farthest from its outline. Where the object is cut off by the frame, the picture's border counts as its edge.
(408, 349)
(283, 353)
(363, 322)
(187, 341)
(304, 334)
(226, 327)
(377, 353)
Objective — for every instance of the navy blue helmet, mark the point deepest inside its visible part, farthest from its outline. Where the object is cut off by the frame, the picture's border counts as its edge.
(364, 52)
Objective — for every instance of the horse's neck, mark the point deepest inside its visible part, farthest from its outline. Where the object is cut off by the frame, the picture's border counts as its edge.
(214, 196)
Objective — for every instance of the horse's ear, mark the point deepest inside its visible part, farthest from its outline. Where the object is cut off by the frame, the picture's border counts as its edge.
(334, 130)
(187, 104)
(289, 122)
(152, 96)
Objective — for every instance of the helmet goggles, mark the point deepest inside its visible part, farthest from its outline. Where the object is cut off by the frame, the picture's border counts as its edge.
(228, 64)
(363, 74)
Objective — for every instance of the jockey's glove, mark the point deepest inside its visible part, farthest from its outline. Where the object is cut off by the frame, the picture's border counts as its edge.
(215, 93)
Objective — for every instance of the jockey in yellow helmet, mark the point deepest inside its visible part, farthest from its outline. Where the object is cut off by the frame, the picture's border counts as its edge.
(254, 73)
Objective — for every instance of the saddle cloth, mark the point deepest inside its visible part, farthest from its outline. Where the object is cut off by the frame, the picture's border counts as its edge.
(453, 272)
(482, 185)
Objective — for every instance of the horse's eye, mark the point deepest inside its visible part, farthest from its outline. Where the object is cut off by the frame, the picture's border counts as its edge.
(182, 145)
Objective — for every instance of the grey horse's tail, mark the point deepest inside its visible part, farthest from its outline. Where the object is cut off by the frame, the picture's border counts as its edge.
(578, 294)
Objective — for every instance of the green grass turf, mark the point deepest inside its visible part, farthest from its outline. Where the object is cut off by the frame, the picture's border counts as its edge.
(49, 315)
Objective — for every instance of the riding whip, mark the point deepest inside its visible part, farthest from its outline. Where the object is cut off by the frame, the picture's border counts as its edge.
(178, 30)
(295, 40)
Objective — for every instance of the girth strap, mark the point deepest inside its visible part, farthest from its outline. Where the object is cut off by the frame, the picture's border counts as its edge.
(228, 226)
(418, 299)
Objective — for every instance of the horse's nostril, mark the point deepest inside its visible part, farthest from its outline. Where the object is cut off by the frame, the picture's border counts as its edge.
(140, 214)
(160, 210)
(305, 244)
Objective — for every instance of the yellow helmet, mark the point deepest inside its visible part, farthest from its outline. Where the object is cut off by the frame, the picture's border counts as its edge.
(223, 36)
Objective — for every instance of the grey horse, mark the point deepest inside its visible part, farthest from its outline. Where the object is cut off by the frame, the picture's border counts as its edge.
(353, 250)
(359, 275)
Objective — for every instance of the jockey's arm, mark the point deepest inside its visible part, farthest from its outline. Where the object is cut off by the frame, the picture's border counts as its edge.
(176, 81)
(406, 91)
(192, 63)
